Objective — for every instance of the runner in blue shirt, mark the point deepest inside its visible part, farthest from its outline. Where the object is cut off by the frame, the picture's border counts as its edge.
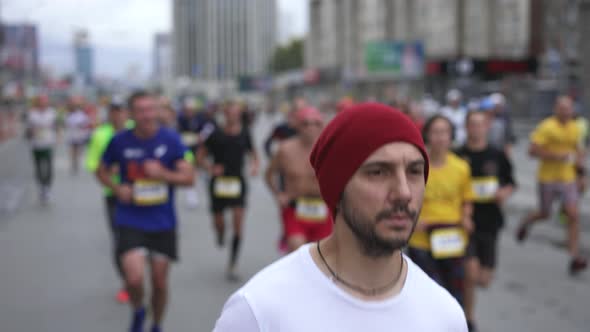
(150, 161)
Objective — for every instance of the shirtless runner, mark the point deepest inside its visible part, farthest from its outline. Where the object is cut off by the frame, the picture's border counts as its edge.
(305, 215)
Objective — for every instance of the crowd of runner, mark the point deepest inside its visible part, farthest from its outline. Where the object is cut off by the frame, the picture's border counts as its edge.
(328, 178)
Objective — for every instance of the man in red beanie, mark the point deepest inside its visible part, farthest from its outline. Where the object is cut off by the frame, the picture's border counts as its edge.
(305, 215)
(372, 168)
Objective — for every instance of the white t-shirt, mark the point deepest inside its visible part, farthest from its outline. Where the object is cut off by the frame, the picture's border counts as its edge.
(294, 295)
(457, 117)
(77, 126)
(43, 126)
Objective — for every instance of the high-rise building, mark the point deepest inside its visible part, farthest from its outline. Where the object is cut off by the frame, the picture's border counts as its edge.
(223, 39)
(19, 52)
(162, 61)
(449, 29)
(83, 55)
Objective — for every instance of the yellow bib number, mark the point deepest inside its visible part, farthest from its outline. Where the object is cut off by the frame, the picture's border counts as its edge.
(190, 139)
(227, 187)
(485, 188)
(44, 134)
(314, 210)
(448, 242)
(147, 192)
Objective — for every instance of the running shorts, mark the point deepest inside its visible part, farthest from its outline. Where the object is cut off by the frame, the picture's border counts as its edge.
(162, 243)
(308, 217)
(227, 192)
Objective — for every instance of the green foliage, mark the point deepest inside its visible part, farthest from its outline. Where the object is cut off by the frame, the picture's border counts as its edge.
(288, 57)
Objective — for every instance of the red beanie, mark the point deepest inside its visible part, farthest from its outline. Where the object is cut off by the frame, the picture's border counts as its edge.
(351, 137)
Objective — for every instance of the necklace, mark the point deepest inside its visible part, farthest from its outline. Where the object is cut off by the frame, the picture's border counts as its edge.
(367, 292)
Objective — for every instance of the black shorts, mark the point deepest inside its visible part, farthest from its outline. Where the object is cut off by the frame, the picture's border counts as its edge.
(159, 243)
(483, 246)
(218, 204)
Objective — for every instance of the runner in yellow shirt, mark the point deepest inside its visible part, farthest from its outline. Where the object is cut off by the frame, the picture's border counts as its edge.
(556, 142)
(440, 239)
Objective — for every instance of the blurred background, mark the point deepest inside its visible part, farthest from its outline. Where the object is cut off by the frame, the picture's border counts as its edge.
(55, 273)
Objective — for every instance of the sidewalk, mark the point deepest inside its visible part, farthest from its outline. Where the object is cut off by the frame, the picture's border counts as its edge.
(9, 124)
(16, 175)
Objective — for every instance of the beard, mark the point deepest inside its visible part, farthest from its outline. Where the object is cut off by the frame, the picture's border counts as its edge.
(365, 229)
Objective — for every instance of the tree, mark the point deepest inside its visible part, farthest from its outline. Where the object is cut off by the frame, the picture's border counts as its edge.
(288, 57)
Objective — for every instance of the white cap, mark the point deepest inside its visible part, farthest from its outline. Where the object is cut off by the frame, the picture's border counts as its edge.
(497, 99)
(190, 103)
(454, 95)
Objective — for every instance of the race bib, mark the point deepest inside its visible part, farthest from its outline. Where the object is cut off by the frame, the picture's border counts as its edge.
(311, 209)
(147, 192)
(44, 134)
(448, 242)
(190, 139)
(227, 187)
(485, 188)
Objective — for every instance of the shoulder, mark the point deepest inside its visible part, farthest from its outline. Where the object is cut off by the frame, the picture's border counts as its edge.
(216, 133)
(458, 163)
(169, 134)
(277, 274)
(574, 124)
(288, 144)
(262, 297)
(122, 136)
(434, 297)
(281, 127)
(274, 285)
(492, 152)
(549, 122)
(237, 315)
(462, 151)
(102, 132)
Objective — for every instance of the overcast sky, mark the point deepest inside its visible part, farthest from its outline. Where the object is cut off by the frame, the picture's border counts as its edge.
(121, 31)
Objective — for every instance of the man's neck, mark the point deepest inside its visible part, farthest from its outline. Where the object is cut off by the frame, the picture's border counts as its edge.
(144, 134)
(118, 126)
(562, 120)
(477, 145)
(233, 128)
(306, 143)
(346, 258)
(437, 157)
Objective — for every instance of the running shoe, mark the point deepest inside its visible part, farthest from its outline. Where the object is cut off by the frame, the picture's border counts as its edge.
(522, 233)
(137, 320)
(578, 265)
(122, 296)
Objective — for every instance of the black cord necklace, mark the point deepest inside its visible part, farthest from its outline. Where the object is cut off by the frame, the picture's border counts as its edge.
(364, 291)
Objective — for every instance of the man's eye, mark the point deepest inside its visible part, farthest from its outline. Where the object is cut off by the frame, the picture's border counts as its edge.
(376, 172)
(416, 171)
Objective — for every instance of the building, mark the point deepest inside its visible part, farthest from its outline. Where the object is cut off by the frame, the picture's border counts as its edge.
(584, 53)
(340, 30)
(162, 61)
(409, 47)
(83, 56)
(223, 39)
(19, 52)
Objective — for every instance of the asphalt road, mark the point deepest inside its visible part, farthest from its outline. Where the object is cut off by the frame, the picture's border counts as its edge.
(56, 273)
